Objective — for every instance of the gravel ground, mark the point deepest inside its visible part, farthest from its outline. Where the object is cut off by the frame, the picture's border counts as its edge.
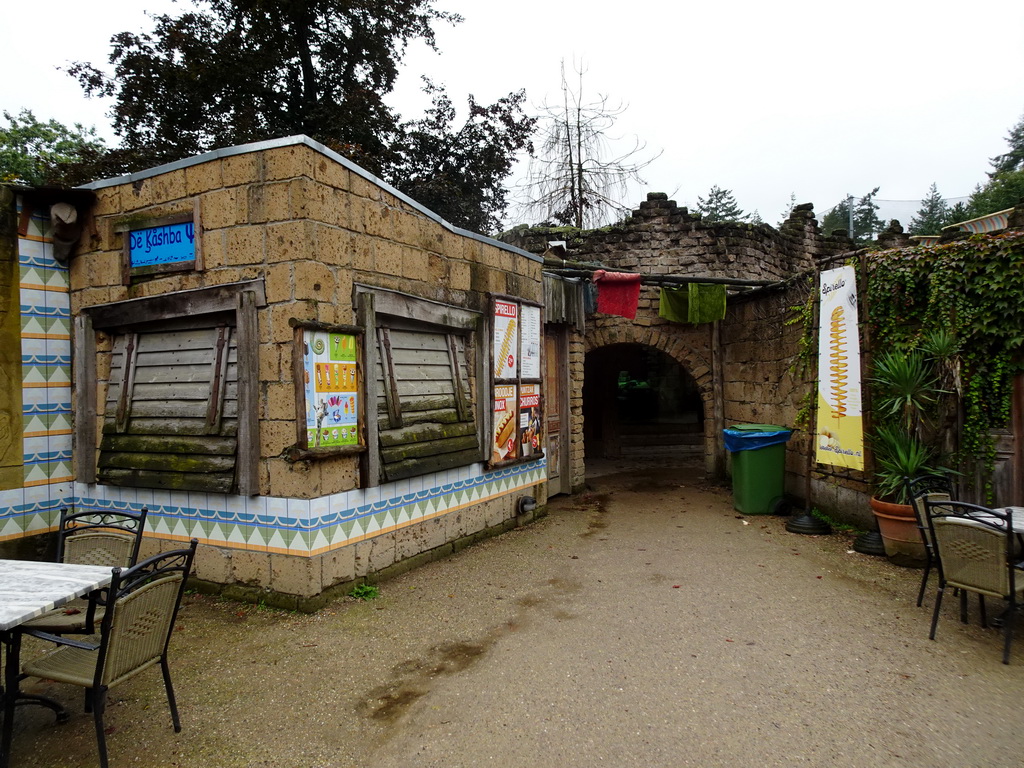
(643, 623)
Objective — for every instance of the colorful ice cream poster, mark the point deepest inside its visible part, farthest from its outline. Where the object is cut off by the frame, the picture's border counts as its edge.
(506, 339)
(530, 434)
(503, 442)
(529, 356)
(839, 440)
(332, 389)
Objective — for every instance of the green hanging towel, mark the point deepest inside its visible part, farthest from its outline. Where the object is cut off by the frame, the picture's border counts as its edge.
(674, 305)
(707, 303)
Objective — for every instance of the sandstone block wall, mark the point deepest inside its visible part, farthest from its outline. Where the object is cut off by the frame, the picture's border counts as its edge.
(310, 228)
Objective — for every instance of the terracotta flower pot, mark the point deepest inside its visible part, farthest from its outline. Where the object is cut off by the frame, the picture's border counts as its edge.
(900, 536)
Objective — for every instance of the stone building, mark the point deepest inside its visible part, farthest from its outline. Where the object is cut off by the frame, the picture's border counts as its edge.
(282, 356)
(699, 378)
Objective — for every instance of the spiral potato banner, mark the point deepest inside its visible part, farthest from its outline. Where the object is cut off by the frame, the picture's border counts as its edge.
(840, 436)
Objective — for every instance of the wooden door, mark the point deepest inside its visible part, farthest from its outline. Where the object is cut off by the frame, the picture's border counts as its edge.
(556, 408)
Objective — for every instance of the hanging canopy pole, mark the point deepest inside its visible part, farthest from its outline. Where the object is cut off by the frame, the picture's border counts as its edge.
(673, 279)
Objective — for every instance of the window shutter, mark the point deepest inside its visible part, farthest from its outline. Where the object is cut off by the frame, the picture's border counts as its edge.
(425, 407)
(172, 410)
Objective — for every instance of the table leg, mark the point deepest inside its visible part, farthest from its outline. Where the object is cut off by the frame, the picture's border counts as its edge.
(12, 695)
(12, 662)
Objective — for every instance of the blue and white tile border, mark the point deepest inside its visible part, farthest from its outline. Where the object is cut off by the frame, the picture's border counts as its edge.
(308, 527)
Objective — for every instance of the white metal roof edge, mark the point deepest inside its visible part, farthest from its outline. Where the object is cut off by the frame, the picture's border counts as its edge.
(290, 141)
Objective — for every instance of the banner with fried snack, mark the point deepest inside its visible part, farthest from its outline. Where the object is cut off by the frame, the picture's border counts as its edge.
(503, 444)
(506, 339)
(840, 429)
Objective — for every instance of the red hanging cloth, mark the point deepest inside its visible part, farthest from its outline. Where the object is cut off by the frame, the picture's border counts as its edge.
(618, 293)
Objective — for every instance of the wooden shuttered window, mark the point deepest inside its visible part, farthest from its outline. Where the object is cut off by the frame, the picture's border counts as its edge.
(426, 414)
(171, 416)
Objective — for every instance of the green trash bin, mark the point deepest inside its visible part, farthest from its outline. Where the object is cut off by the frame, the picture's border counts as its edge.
(758, 467)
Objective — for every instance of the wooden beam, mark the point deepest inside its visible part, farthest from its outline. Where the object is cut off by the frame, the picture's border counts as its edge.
(84, 379)
(367, 318)
(247, 468)
(173, 306)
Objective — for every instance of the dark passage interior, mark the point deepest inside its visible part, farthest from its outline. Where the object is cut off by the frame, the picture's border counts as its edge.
(639, 401)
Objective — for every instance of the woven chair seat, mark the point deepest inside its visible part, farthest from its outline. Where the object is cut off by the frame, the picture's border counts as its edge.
(69, 618)
(75, 666)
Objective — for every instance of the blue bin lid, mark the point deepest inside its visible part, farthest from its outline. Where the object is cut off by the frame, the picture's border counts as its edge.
(749, 437)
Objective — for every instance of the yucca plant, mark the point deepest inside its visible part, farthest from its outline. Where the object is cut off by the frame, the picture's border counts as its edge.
(899, 454)
(906, 391)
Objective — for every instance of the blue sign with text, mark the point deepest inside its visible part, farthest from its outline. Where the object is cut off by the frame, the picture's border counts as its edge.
(169, 244)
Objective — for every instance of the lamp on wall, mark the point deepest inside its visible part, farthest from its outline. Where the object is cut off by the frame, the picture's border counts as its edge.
(66, 230)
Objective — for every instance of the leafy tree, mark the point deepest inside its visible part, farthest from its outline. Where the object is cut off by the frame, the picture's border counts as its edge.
(458, 173)
(932, 216)
(866, 223)
(37, 153)
(719, 205)
(574, 180)
(234, 71)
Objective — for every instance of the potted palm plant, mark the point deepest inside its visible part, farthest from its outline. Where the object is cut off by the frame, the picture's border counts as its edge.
(906, 438)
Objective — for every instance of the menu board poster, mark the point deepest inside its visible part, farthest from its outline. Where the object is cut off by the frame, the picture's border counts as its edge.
(506, 339)
(529, 332)
(530, 435)
(503, 441)
(332, 389)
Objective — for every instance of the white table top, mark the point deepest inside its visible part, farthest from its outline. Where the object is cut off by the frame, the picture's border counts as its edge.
(29, 589)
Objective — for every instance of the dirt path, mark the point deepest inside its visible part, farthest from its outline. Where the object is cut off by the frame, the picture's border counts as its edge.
(641, 624)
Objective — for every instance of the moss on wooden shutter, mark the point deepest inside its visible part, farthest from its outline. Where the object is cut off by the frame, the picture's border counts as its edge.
(424, 406)
(172, 410)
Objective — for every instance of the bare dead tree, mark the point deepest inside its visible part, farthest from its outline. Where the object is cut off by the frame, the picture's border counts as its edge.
(575, 179)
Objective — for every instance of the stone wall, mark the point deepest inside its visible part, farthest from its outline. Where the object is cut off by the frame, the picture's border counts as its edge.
(308, 226)
(661, 238)
(758, 346)
(760, 382)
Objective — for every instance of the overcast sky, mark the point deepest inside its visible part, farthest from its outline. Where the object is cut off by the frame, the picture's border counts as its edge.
(768, 99)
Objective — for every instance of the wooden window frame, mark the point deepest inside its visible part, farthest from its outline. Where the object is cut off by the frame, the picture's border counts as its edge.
(301, 450)
(241, 298)
(371, 303)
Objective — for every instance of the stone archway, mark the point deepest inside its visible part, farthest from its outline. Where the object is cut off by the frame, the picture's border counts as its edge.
(688, 347)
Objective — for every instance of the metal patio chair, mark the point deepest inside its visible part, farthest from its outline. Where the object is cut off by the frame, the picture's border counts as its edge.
(975, 549)
(141, 606)
(918, 489)
(91, 537)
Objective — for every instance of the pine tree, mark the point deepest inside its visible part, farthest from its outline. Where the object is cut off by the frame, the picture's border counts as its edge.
(932, 216)
(866, 223)
(719, 205)
(1014, 159)
(789, 209)
(1005, 186)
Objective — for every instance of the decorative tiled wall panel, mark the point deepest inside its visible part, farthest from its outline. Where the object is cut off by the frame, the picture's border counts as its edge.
(310, 526)
(46, 389)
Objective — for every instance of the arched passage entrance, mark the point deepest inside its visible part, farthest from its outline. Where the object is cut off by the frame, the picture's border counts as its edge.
(637, 401)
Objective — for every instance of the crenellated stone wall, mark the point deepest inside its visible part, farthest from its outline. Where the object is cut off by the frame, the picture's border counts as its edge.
(758, 344)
